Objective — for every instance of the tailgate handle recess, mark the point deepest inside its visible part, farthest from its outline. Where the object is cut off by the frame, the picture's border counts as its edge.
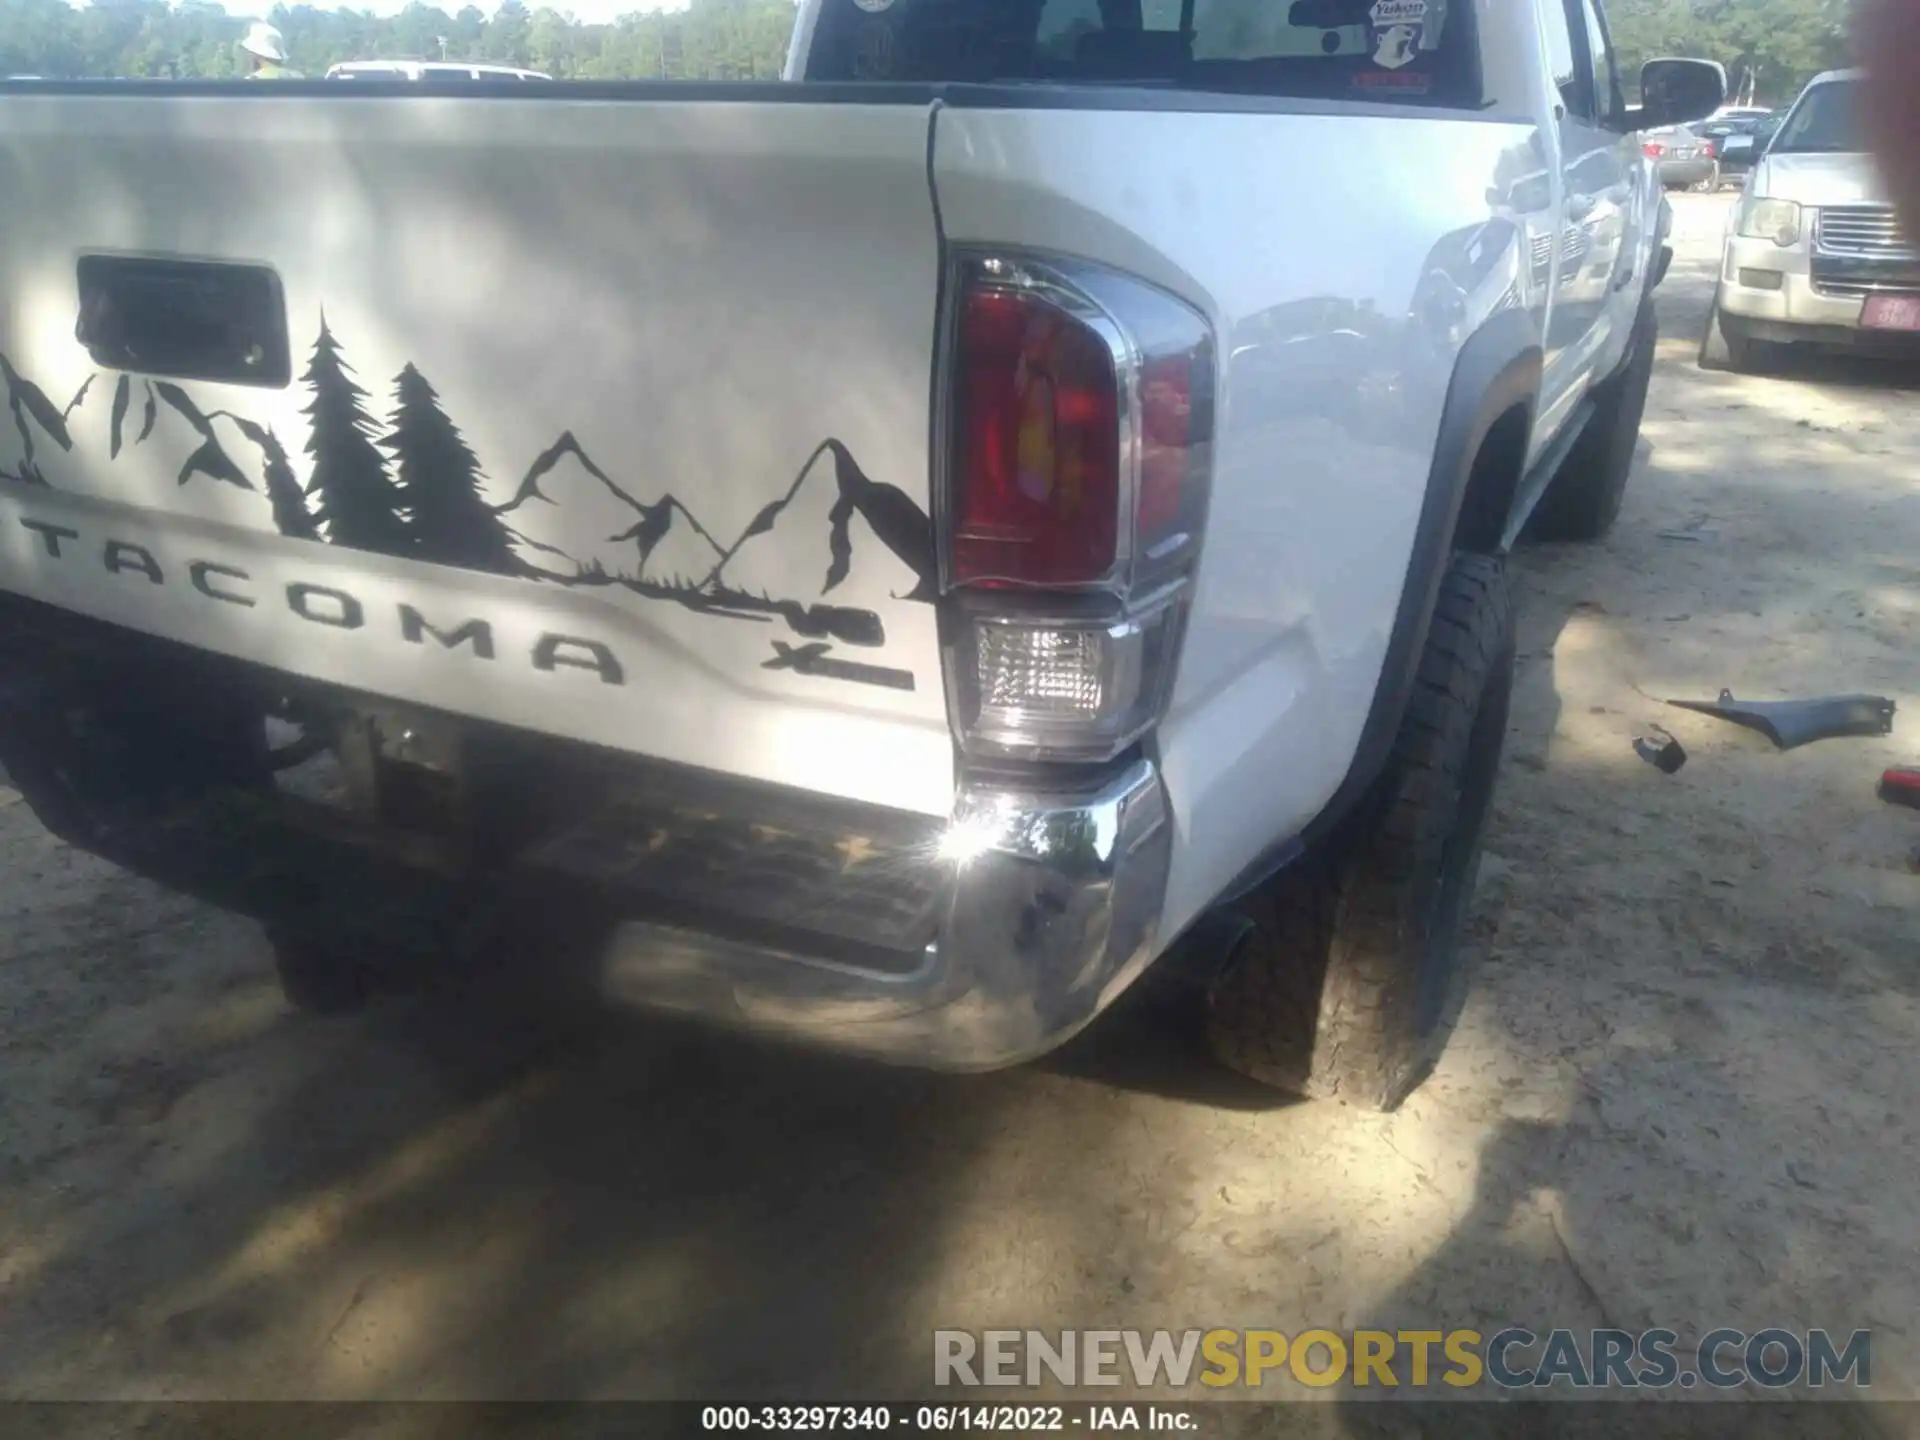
(192, 319)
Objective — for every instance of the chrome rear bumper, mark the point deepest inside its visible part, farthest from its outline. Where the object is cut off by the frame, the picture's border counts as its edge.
(968, 943)
(1049, 907)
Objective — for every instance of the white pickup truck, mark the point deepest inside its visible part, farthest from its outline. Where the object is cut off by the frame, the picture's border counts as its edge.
(876, 558)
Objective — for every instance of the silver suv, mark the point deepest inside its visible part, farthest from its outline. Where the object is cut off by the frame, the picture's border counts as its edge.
(1814, 252)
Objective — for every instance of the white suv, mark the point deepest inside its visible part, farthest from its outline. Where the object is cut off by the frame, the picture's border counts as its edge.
(439, 70)
(1814, 252)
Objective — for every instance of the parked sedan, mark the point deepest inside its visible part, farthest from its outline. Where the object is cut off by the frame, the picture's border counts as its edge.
(1686, 159)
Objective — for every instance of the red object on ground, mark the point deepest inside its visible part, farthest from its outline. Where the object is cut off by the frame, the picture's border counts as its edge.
(1901, 786)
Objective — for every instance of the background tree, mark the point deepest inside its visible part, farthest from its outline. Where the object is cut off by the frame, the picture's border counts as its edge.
(448, 516)
(712, 40)
(504, 41)
(358, 504)
(1770, 47)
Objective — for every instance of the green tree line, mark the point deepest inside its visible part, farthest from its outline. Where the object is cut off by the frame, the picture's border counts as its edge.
(1770, 47)
(198, 39)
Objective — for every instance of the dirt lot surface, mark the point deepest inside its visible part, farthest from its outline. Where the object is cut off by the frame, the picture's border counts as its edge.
(1684, 1092)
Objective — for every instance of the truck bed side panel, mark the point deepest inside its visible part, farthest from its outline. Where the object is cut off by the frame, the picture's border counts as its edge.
(1344, 260)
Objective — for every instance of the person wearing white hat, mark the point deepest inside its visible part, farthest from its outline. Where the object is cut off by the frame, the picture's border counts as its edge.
(266, 53)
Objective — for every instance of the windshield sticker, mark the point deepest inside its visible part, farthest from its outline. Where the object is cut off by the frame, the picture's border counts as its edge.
(1392, 83)
(1398, 26)
(874, 7)
(1397, 46)
(1398, 12)
(1402, 29)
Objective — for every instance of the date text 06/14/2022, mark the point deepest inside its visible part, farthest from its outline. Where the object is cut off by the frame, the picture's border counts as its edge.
(941, 1419)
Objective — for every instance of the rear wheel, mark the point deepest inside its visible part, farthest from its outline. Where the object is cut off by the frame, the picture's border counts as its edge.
(333, 977)
(320, 978)
(1584, 499)
(1345, 984)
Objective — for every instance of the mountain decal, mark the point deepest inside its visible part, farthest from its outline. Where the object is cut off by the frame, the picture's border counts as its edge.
(413, 488)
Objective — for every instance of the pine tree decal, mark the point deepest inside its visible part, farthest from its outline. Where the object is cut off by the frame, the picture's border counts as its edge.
(290, 510)
(291, 515)
(450, 522)
(358, 504)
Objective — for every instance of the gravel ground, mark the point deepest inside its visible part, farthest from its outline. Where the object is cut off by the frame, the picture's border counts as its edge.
(1680, 1094)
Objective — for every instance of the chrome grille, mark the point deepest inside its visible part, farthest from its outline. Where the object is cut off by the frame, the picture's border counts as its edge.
(1861, 289)
(1871, 231)
(1542, 258)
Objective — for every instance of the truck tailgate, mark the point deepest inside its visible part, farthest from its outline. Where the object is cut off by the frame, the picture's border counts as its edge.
(608, 419)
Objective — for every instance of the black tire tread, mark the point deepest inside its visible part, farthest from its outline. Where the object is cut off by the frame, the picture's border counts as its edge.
(1320, 1001)
(334, 976)
(318, 979)
(1584, 499)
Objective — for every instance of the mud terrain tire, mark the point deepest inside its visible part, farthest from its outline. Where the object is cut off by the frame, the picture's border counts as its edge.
(1584, 499)
(1346, 983)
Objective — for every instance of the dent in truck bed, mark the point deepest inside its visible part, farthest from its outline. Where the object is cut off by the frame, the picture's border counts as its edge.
(430, 504)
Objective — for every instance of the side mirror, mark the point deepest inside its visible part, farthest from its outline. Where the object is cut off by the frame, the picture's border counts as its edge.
(1678, 92)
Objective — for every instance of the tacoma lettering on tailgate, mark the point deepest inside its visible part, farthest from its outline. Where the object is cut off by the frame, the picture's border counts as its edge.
(418, 492)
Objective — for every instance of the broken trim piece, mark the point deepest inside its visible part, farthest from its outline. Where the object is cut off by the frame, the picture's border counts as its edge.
(1791, 723)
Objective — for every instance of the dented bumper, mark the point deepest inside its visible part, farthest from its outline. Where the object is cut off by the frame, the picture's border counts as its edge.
(967, 943)
(1049, 905)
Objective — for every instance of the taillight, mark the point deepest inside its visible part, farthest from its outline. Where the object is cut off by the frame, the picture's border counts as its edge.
(1079, 443)
(1710, 151)
(1654, 150)
(1038, 445)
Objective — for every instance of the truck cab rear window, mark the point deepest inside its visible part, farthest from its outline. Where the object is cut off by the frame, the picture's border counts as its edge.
(1401, 50)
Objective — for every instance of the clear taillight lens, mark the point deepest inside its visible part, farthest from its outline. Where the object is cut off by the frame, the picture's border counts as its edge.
(1079, 434)
(1063, 689)
(1050, 672)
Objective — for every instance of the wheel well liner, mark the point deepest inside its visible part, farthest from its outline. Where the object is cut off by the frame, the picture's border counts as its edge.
(1499, 465)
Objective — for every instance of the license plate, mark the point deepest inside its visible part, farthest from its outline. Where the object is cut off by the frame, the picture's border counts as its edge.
(1891, 312)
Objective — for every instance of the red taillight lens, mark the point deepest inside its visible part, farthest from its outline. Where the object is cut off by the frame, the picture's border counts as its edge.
(1166, 431)
(1710, 150)
(1653, 150)
(1037, 498)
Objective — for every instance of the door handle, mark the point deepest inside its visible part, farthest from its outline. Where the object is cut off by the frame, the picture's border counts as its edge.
(191, 319)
